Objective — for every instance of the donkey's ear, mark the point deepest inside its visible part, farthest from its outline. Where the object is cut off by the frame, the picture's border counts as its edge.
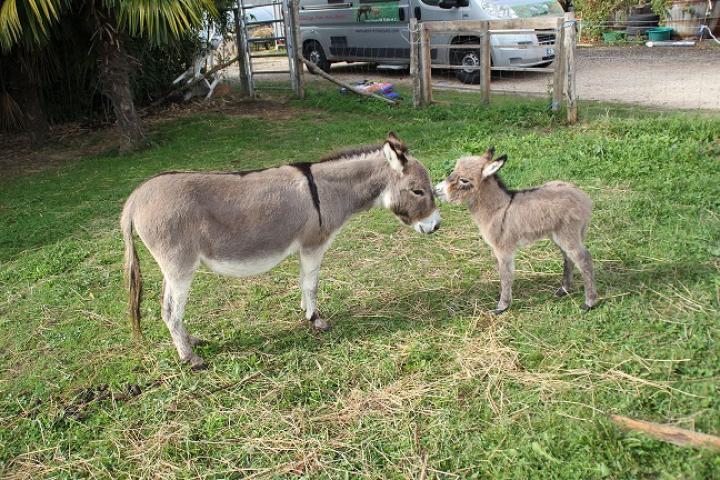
(489, 153)
(492, 167)
(395, 152)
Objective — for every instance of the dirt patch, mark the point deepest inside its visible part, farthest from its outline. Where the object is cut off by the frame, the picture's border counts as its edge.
(68, 142)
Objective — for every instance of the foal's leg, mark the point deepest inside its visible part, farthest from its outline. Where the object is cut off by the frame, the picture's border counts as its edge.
(310, 270)
(582, 258)
(573, 247)
(176, 290)
(506, 267)
(567, 274)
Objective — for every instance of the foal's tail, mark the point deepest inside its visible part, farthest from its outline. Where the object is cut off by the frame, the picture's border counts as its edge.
(133, 280)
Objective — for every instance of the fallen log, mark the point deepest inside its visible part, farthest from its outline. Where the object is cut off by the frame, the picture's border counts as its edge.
(191, 84)
(334, 80)
(667, 433)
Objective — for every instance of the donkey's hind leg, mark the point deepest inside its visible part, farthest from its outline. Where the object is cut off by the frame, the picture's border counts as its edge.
(567, 276)
(576, 251)
(175, 293)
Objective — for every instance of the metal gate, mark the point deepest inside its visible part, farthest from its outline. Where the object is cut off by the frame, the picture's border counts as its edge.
(285, 33)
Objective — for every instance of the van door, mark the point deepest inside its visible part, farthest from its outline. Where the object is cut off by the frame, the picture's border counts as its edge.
(428, 11)
(379, 33)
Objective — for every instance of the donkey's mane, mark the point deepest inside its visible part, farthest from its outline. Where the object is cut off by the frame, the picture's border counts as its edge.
(350, 152)
(331, 157)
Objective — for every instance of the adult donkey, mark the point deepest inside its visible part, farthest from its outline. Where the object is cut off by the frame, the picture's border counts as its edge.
(245, 223)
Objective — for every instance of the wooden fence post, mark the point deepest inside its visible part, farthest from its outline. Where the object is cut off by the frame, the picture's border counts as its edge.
(569, 44)
(559, 68)
(293, 42)
(485, 60)
(240, 41)
(414, 60)
(425, 67)
(246, 80)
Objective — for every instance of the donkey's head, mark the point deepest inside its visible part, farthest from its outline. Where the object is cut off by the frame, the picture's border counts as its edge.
(468, 176)
(409, 194)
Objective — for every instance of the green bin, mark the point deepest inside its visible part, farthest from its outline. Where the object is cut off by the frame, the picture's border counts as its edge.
(659, 34)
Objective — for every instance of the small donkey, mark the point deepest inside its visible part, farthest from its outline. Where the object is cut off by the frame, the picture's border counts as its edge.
(510, 219)
(245, 223)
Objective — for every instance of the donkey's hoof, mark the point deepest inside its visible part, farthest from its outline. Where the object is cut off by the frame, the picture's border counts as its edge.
(196, 363)
(194, 341)
(321, 325)
(318, 323)
(587, 307)
(198, 366)
(561, 292)
(499, 311)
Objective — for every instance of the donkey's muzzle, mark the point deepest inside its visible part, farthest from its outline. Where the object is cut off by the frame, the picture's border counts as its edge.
(428, 224)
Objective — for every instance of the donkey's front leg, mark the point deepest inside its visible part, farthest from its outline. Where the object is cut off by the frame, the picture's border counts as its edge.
(310, 261)
(506, 267)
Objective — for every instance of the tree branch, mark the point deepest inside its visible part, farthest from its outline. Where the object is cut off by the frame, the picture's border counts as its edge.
(334, 80)
(191, 84)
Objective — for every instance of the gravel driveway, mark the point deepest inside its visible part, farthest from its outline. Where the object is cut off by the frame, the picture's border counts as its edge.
(667, 77)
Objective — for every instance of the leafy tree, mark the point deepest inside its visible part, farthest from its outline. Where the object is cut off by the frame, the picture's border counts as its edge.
(28, 25)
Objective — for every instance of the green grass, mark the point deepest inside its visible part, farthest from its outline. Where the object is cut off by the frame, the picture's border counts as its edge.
(416, 379)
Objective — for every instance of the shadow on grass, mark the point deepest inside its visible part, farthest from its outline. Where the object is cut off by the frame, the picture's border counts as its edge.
(354, 321)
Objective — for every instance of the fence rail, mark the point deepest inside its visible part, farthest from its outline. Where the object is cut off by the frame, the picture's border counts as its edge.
(563, 66)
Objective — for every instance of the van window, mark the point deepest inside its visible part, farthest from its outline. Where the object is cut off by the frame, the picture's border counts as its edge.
(431, 2)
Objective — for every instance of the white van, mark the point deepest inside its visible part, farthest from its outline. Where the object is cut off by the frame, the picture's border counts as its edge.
(376, 31)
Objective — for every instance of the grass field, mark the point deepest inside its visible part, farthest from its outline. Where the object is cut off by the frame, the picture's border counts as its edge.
(416, 379)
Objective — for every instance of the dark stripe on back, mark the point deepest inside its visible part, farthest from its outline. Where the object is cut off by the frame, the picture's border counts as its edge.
(511, 194)
(306, 169)
(502, 223)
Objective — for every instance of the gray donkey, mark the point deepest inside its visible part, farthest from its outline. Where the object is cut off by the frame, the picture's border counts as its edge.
(245, 223)
(510, 219)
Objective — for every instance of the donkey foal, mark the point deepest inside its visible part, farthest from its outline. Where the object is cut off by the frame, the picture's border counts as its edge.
(510, 219)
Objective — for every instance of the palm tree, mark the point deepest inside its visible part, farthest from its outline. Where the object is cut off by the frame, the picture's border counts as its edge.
(25, 29)
(109, 23)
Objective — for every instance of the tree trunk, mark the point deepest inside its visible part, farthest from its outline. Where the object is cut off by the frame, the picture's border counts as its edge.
(115, 68)
(34, 119)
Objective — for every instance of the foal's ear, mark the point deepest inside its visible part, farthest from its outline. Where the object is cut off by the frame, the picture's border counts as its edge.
(492, 167)
(395, 152)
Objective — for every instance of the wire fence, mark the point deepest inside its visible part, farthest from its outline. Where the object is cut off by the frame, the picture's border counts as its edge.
(618, 69)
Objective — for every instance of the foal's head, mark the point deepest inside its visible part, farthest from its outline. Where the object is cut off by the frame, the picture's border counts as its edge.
(469, 176)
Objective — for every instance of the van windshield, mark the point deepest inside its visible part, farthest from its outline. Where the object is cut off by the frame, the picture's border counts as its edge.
(522, 8)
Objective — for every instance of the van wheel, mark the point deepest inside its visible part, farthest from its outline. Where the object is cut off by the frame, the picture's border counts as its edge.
(313, 52)
(471, 58)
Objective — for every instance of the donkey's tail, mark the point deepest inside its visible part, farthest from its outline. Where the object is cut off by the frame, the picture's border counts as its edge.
(133, 279)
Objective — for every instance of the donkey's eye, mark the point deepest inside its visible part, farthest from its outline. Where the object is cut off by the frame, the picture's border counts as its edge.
(464, 181)
(419, 193)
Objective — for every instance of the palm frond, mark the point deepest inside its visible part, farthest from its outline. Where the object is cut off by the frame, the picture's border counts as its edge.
(161, 20)
(28, 22)
(11, 117)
